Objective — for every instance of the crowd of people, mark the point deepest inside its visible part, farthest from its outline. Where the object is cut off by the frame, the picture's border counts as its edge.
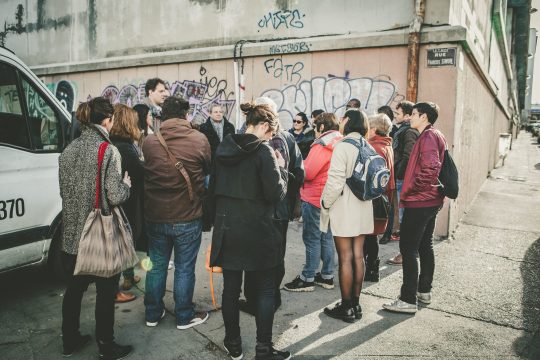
(174, 180)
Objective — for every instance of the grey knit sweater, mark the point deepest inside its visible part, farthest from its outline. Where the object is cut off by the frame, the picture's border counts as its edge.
(77, 174)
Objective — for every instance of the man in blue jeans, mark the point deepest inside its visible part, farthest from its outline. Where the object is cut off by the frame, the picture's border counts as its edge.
(404, 140)
(177, 158)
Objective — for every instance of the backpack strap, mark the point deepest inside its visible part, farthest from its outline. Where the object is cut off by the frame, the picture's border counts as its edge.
(178, 164)
(357, 143)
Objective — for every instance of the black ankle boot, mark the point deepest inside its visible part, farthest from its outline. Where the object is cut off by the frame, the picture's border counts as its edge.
(266, 351)
(341, 312)
(372, 271)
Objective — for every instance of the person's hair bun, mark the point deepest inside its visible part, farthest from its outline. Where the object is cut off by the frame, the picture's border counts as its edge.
(84, 111)
(247, 107)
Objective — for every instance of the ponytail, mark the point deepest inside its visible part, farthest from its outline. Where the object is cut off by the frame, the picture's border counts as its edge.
(94, 111)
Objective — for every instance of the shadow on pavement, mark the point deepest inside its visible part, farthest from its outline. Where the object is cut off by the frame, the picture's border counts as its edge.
(338, 345)
(528, 345)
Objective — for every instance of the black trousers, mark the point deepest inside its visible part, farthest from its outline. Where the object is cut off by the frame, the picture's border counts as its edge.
(263, 287)
(417, 238)
(71, 305)
(249, 293)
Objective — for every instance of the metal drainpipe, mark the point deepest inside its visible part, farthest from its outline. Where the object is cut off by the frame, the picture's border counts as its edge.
(413, 54)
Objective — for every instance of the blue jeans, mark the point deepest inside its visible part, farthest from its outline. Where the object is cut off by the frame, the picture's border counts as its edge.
(399, 184)
(185, 238)
(319, 245)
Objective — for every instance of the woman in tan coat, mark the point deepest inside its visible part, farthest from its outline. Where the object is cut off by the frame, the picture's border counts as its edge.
(348, 217)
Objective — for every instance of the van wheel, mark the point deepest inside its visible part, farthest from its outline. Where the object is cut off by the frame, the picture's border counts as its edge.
(54, 261)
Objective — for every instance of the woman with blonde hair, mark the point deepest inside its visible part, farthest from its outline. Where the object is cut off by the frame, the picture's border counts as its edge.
(250, 179)
(379, 128)
(124, 135)
(349, 218)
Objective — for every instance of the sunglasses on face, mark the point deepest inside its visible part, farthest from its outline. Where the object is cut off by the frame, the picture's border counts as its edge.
(298, 121)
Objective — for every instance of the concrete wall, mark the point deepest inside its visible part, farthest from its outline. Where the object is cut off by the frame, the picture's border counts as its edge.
(297, 82)
(326, 80)
(478, 122)
(83, 30)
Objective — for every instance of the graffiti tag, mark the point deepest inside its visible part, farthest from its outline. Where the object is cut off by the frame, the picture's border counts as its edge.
(290, 72)
(330, 95)
(296, 47)
(286, 18)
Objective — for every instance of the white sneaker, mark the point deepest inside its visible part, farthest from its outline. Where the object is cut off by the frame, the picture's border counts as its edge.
(198, 319)
(171, 265)
(154, 324)
(401, 307)
(424, 297)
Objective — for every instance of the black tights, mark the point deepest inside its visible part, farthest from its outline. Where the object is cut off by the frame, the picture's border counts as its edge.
(351, 267)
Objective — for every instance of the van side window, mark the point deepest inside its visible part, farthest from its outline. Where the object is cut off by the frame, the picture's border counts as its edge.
(43, 122)
(13, 130)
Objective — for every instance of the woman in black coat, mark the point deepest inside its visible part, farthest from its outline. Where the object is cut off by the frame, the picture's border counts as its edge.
(249, 180)
(124, 134)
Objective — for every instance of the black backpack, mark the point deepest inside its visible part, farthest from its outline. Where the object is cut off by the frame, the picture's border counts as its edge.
(448, 177)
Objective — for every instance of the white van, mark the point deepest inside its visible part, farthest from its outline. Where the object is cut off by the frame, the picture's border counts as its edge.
(34, 129)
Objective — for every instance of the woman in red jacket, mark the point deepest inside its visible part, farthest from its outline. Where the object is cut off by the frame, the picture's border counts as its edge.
(319, 245)
(379, 128)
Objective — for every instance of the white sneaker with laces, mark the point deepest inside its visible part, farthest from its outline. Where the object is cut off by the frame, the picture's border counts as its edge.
(401, 307)
(155, 323)
(199, 318)
(424, 297)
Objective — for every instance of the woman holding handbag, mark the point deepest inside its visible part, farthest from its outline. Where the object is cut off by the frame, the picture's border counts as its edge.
(379, 128)
(87, 164)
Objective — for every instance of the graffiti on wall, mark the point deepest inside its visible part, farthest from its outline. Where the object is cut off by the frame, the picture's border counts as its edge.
(293, 47)
(202, 94)
(282, 19)
(288, 72)
(331, 95)
(66, 92)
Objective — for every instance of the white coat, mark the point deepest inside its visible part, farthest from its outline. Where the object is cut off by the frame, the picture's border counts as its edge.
(348, 216)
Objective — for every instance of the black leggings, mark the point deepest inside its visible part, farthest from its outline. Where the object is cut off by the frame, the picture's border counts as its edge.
(351, 266)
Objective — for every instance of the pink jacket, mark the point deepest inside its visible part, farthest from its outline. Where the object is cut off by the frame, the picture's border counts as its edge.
(316, 166)
(420, 184)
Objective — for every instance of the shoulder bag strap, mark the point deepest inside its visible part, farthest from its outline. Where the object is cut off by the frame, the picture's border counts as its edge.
(101, 154)
(177, 164)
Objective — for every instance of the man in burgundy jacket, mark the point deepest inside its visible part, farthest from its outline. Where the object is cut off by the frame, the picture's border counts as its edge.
(422, 201)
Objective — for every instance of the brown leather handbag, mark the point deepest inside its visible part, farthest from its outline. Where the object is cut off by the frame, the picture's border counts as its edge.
(106, 246)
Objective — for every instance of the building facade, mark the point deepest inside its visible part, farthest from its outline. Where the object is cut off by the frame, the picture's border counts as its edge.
(304, 54)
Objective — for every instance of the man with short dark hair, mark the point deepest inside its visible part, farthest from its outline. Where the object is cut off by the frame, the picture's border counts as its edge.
(421, 200)
(156, 92)
(354, 103)
(177, 158)
(403, 142)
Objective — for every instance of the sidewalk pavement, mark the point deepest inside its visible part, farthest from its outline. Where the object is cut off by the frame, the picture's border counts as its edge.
(486, 296)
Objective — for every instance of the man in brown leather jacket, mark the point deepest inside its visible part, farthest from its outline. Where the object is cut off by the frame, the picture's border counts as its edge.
(177, 158)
